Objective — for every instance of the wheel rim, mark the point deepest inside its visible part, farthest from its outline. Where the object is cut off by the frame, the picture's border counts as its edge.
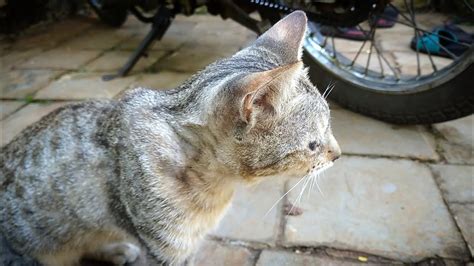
(374, 71)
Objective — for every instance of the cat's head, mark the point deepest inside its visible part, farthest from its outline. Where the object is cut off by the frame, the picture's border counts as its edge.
(271, 119)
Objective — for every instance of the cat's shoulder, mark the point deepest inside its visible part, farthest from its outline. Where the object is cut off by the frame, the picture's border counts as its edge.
(137, 95)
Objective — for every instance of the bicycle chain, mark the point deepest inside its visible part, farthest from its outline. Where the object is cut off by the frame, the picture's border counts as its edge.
(273, 6)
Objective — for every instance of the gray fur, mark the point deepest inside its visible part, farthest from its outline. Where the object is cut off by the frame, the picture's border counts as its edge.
(158, 168)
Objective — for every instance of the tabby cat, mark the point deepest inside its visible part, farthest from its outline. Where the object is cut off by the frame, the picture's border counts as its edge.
(142, 179)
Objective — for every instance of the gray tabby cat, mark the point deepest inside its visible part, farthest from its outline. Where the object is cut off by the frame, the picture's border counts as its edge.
(144, 178)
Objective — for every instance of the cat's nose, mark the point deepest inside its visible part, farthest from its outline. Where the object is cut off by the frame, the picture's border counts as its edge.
(334, 151)
(334, 155)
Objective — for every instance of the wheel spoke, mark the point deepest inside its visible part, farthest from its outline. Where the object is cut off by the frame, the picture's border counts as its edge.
(372, 34)
(428, 35)
(361, 48)
(380, 61)
(420, 29)
(325, 41)
(333, 47)
(411, 9)
(418, 37)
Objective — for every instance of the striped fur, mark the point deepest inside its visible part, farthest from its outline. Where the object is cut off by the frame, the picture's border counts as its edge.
(157, 169)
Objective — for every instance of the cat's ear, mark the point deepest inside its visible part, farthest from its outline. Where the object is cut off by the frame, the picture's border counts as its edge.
(286, 37)
(262, 91)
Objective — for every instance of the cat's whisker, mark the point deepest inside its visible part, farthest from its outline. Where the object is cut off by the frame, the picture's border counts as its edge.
(273, 206)
(329, 92)
(319, 188)
(308, 179)
(328, 89)
(311, 185)
(298, 199)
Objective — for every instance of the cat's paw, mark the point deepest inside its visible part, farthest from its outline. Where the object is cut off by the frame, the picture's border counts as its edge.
(121, 253)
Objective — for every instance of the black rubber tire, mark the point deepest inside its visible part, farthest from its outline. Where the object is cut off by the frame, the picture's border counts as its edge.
(113, 16)
(446, 101)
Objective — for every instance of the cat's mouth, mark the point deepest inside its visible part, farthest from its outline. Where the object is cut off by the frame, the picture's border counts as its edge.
(321, 168)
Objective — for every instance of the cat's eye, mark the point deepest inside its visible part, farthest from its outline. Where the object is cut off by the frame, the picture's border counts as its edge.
(313, 145)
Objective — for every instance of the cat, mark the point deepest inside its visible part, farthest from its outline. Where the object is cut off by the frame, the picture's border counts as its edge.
(144, 178)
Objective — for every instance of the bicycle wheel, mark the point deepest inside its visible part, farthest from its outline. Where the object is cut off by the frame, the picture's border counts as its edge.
(378, 79)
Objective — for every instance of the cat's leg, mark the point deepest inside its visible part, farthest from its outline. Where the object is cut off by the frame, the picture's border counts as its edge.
(119, 253)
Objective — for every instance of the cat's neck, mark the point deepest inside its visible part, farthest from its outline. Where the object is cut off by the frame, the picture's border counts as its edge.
(208, 183)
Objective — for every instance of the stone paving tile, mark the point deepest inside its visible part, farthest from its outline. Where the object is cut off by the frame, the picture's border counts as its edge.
(26, 116)
(408, 63)
(79, 86)
(456, 182)
(390, 208)
(8, 107)
(464, 215)
(161, 80)
(458, 143)
(98, 39)
(285, 258)
(51, 35)
(214, 254)
(245, 219)
(169, 42)
(174, 37)
(459, 131)
(114, 60)
(59, 59)
(12, 58)
(397, 38)
(189, 60)
(357, 134)
(218, 40)
(348, 46)
(453, 263)
(456, 153)
(22, 83)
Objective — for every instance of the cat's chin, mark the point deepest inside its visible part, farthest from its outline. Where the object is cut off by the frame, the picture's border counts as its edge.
(322, 168)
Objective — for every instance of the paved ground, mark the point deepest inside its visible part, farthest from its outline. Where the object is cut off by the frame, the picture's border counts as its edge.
(399, 194)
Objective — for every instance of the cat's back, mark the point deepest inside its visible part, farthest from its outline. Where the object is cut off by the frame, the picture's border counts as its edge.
(55, 168)
(64, 135)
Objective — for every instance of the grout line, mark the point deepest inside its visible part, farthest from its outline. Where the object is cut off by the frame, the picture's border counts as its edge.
(435, 178)
(282, 219)
(24, 104)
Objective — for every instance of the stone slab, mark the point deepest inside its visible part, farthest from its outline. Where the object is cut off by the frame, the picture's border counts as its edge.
(112, 61)
(285, 258)
(409, 65)
(162, 80)
(8, 107)
(98, 39)
(13, 57)
(455, 153)
(191, 59)
(212, 253)
(358, 134)
(79, 86)
(389, 208)
(397, 38)
(26, 116)
(246, 220)
(456, 182)
(459, 131)
(175, 36)
(19, 84)
(464, 215)
(59, 59)
(50, 35)
(348, 46)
